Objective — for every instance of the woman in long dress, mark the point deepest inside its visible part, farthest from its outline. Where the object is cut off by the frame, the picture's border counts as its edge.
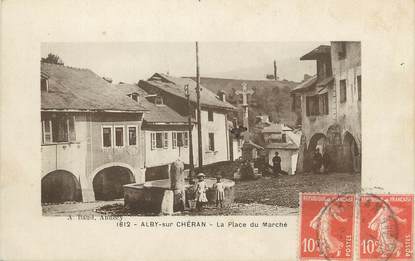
(328, 243)
(383, 223)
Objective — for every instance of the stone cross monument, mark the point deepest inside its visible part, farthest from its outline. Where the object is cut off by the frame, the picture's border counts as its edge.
(245, 92)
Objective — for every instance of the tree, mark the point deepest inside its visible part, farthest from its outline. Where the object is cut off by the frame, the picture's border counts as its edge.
(52, 58)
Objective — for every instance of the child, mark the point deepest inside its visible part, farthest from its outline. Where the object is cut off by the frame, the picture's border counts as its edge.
(219, 188)
(201, 188)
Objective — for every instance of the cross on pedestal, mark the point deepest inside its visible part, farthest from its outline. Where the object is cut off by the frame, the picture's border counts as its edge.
(245, 92)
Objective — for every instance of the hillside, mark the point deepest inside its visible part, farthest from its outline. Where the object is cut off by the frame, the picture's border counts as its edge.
(270, 97)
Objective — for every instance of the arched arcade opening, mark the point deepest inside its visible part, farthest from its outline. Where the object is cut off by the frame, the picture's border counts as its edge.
(60, 186)
(108, 183)
(317, 141)
(351, 152)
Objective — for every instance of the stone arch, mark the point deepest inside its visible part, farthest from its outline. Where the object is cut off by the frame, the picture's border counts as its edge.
(351, 153)
(317, 140)
(108, 181)
(60, 186)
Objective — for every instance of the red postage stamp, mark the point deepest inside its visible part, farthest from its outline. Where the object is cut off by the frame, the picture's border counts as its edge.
(386, 227)
(326, 226)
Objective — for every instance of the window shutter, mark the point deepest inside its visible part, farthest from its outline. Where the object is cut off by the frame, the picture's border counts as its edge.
(71, 128)
(185, 139)
(153, 140)
(166, 140)
(174, 139)
(47, 131)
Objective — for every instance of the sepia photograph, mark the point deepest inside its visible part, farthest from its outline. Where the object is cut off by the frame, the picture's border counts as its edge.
(197, 128)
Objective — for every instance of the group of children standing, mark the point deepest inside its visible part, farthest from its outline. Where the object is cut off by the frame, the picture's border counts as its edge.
(202, 188)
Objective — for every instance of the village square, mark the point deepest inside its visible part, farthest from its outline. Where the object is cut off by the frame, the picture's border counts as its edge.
(197, 144)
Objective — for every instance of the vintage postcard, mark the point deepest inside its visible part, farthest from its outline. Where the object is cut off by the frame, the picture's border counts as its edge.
(386, 227)
(202, 130)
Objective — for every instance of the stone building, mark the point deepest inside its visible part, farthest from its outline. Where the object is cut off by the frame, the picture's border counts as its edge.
(91, 138)
(166, 133)
(331, 107)
(214, 113)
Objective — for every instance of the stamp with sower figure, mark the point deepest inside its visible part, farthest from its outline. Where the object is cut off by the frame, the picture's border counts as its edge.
(326, 226)
(386, 227)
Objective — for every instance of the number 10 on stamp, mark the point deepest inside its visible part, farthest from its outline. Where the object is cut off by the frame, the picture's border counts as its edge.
(327, 225)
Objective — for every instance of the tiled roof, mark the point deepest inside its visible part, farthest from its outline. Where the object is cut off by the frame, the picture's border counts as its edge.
(316, 53)
(307, 84)
(175, 86)
(81, 89)
(156, 113)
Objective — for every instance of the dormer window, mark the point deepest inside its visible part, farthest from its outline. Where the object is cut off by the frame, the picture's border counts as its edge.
(134, 96)
(158, 100)
(44, 84)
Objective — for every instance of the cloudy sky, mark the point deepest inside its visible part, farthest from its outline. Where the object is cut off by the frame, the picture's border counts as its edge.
(132, 61)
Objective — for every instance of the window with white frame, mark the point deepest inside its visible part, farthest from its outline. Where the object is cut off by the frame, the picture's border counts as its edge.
(180, 139)
(58, 128)
(119, 136)
(158, 100)
(106, 136)
(159, 140)
(132, 135)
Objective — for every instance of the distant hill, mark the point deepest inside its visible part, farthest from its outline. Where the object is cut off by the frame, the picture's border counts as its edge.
(270, 97)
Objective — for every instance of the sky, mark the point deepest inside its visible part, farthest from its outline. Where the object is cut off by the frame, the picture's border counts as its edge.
(133, 61)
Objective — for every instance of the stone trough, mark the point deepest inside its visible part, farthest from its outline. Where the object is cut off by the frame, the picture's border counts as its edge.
(158, 196)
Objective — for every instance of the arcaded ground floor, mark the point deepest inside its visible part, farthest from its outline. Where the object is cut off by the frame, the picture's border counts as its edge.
(265, 196)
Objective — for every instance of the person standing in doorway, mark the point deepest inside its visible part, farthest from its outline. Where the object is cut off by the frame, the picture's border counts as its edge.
(326, 162)
(317, 161)
(276, 164)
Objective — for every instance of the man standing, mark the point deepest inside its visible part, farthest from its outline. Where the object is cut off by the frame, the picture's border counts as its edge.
(276, 164)
(317, 161)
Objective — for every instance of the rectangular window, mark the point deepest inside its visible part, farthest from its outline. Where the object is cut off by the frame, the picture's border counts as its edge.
(312, 105)
(58, 128)
(47, 131)
(106, 137)
(174, 139)
(343, 94)
(180, 139)
(158, 100)
(210, 115)
(132, 135)
(324, 104)
(359, 87)
(159, 140)
(119, 136)
(211, 141)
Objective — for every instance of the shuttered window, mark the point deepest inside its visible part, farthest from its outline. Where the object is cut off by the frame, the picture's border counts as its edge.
(211, 141)
(58, 128)
(185, 139)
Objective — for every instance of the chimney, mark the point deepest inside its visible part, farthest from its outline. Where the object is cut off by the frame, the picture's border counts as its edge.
(108, 79)
(275, 70)
(222, 95)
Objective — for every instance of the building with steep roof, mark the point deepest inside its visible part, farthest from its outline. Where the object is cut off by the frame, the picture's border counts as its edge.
(90, 136)
(330, 106)
(170, 91)
(165, 132)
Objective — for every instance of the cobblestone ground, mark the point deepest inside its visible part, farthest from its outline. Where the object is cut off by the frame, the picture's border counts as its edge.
(265, 196)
